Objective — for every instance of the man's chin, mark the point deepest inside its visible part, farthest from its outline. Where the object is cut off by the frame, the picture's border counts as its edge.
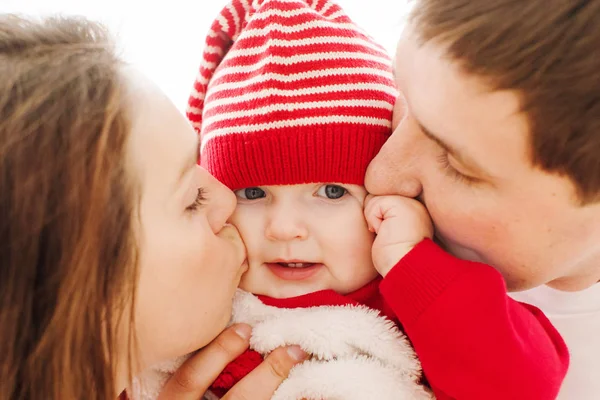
(513, 284)
(458, 251)
(437, 240)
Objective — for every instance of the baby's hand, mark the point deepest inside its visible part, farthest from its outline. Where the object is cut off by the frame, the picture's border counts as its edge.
(400, 224)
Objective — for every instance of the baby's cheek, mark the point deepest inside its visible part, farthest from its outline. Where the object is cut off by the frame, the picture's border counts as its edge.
(250, 281)
(249, 221)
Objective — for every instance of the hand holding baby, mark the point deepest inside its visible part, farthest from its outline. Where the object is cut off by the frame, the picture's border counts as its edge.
(400, 224)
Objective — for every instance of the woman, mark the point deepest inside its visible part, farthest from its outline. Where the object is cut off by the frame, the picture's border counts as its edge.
(114, 248)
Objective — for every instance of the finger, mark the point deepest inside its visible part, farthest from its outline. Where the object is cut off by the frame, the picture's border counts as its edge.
(261, 383)
(373, 222)
(369, 200)
(373, 214)
(194, 377)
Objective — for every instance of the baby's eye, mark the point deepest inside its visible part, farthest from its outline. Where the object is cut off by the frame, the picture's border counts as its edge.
(332, 192)
(251, 193)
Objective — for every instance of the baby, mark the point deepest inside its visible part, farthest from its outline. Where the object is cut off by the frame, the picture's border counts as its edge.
(291, 111)
(292, 102)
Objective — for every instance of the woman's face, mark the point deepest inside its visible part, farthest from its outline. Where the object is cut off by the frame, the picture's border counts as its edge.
(190, 261)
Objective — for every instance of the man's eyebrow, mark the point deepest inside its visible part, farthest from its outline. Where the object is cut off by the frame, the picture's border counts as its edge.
(452, 150)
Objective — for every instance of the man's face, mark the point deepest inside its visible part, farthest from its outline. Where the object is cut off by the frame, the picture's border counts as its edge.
(463, 150)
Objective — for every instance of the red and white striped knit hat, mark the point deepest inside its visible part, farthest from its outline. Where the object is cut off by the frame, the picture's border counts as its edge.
(290, 92)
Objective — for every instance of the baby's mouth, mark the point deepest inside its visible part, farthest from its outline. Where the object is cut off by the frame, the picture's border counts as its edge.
(296, 264)
(294, 270)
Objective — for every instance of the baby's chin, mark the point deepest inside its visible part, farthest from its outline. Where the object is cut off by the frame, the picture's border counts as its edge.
(281, 292)
(286, 291)
(274, 288)
(260, 281)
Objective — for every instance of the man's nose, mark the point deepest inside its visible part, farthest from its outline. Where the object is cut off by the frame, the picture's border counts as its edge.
(396, 168)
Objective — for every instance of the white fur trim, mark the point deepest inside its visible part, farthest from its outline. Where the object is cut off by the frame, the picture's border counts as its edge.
(356, 353)
(329, 332)
(353, 378)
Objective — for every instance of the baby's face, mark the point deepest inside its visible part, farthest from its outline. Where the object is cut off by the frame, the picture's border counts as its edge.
(304, 238)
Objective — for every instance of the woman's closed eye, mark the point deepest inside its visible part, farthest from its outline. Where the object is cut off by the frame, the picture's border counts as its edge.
(198, 201)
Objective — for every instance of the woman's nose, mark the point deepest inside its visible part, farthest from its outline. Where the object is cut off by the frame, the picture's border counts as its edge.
(221, 201)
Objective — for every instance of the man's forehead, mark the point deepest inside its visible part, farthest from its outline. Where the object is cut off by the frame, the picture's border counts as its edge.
(457, 110)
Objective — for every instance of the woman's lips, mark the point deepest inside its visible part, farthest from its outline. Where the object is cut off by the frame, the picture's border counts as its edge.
(294, 271)
(244, 267)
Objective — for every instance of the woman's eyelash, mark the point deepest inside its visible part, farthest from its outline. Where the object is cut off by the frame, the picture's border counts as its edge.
(200, 199)
(452, 172)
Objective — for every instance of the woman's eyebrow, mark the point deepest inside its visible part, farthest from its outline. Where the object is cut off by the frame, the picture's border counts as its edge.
(190, 161)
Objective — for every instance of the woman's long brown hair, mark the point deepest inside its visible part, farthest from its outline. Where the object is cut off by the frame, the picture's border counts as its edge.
(67, 247)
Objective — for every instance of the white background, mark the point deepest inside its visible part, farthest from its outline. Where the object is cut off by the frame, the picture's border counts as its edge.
(164, 39)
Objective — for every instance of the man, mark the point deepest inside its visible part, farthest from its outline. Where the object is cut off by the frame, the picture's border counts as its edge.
(498, 135)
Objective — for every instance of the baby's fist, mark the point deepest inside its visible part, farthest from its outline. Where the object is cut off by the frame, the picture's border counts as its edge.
(400, 224)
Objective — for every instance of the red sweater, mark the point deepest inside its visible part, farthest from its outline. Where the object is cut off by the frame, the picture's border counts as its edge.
(474, 342)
